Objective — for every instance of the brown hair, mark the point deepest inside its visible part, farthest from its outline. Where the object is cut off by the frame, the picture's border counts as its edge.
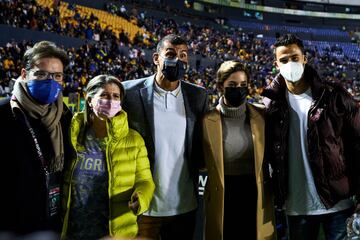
(227, 68)
(94, 85)
(44, 49)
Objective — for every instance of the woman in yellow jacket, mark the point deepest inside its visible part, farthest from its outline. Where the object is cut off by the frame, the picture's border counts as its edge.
(108, 183)
(237, 202)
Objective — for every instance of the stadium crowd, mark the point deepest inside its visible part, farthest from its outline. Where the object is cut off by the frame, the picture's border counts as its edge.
(126, 58)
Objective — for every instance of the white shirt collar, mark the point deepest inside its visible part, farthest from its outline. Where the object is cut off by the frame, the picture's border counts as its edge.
(162, 92)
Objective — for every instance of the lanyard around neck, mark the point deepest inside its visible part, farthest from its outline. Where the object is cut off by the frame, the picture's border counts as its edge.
(37, 146)
(36, 142)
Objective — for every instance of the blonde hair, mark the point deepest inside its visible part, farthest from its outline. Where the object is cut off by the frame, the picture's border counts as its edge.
(226, 69)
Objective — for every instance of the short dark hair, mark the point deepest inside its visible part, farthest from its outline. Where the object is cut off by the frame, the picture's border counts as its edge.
(288, 39)
(44, 49)
(173, 39)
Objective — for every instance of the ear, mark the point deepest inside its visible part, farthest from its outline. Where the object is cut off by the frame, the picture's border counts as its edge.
(220, 87)
(23, 74)
(88, 100)
(156, 58)
(276, 65)
(305, 59)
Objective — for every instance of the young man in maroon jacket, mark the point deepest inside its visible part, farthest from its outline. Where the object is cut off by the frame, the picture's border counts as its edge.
(313, 146)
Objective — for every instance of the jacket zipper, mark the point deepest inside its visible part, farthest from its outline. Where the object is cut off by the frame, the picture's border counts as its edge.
(286, 115)
(109, 170)
(313, 107)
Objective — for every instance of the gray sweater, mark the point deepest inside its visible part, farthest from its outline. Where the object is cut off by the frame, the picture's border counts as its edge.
(237, 140)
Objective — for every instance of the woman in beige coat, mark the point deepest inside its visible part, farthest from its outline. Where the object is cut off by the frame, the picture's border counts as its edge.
(237, 202)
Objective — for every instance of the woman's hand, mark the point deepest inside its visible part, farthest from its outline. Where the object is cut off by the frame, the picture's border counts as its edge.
(134, 203)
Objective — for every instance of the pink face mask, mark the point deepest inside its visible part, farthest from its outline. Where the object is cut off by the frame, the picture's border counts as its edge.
(105, 107)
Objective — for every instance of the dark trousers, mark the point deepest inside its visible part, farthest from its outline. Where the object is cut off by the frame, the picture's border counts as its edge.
(308, 226)
(240, 207)
(179, 227)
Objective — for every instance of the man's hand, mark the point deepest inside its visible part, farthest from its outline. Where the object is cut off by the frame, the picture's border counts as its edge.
(357, 208)
(134, 203)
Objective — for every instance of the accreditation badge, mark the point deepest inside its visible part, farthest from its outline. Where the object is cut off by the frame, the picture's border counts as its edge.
(53, 192)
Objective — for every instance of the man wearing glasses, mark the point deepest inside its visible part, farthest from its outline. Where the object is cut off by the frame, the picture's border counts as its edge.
(33, 143)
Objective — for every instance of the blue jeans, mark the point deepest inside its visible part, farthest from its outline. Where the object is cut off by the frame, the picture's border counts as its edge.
(306, 227)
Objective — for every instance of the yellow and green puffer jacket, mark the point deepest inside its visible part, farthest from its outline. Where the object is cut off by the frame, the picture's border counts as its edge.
(128, 169)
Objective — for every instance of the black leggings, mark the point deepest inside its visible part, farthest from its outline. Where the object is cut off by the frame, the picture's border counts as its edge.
(240, 207)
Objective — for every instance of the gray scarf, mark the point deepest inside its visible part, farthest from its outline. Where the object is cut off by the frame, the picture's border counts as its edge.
(48, 114)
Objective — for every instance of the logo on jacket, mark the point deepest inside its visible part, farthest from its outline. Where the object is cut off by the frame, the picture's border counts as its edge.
(316, 116)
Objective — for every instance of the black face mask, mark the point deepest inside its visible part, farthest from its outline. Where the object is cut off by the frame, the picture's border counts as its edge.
(235, 96)
(173, 69)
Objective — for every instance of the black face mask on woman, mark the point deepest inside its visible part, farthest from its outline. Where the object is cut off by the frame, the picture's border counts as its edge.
(173, 69)
(235, 96)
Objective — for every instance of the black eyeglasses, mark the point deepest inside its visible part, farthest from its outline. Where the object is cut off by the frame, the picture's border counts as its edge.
(43, 75)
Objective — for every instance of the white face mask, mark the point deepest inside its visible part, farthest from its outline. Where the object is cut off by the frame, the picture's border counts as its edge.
(292, 71)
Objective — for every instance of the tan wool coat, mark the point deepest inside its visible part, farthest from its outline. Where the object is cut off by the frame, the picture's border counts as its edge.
(214, 191)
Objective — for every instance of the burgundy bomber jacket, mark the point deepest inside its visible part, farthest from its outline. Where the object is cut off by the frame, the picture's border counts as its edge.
(333, 139)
